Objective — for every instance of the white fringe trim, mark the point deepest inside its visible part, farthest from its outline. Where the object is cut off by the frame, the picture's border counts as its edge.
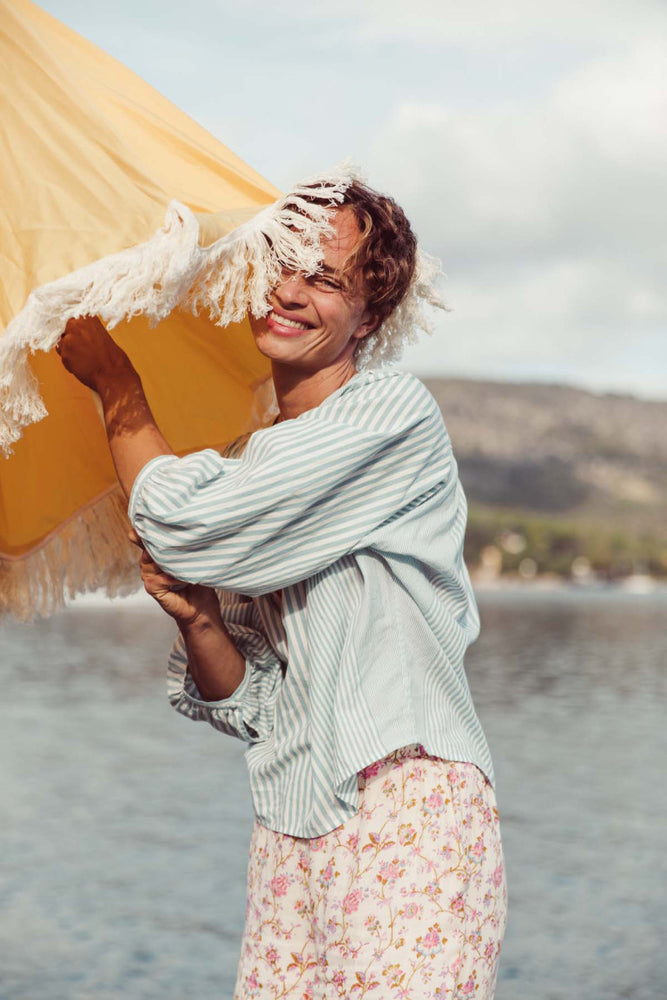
(229, 278)
(402, 327)
(89, 551)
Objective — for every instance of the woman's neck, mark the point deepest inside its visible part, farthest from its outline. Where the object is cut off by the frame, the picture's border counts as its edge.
(298, 391)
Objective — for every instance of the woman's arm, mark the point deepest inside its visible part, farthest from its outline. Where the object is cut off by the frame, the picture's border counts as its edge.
(215, 664)
(89, 353)
(304, 493)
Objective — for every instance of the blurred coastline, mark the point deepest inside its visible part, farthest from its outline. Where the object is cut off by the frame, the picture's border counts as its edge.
(562, 483)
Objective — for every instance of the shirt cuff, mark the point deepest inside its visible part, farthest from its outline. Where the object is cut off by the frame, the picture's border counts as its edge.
(144, 473)
(234, 700)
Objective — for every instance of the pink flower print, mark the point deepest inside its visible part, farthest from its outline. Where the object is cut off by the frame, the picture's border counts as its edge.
(373, 843)
(452, 776)
(338, 979)
(372, 769)
(498, 876)
(476, 852)
(489, 951)
(434, 804)
(353, 841)
(475, 937)
(252, 984)
(326, 875)
(394, 976)
(363, 985)
(457, 904)
(347, 951)
(469, 988)
(411, 910)
(316, 843)
(279, 885)
(351, 901)
(431, 943)
(271, 955)
(299, 963)
(390, 871)
(406, 834)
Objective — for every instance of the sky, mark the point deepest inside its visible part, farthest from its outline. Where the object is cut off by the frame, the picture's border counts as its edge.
(525, 139)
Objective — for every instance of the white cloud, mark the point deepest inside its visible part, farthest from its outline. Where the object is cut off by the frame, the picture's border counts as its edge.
(526, 141)
(550, 221)
(620, 104)
(475, 23)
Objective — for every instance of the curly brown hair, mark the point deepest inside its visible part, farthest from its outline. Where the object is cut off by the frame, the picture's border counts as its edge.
(382, 264)
(387, 267)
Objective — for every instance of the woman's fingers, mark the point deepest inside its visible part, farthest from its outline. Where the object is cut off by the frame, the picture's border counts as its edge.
(155, 579)
(87, 350)
(134, 538)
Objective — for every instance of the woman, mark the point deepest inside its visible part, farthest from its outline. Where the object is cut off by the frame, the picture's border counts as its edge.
(333, 643)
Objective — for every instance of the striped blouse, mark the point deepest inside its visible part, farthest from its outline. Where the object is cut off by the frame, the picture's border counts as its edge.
(336, 540)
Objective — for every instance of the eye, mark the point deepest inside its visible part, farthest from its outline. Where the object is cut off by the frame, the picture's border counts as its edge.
(326, 281)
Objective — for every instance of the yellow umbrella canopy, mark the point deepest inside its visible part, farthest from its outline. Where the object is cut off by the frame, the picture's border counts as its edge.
(96, 156)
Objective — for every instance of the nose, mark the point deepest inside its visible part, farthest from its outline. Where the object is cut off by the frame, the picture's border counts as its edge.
(292, 290)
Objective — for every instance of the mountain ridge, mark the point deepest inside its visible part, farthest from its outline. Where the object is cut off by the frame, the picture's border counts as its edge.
(575, 473)
(555, 447)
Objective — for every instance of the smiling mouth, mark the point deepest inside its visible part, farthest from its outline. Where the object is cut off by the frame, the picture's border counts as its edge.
(294, 324)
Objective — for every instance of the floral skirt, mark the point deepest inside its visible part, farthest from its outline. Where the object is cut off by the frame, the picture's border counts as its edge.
(405, 900)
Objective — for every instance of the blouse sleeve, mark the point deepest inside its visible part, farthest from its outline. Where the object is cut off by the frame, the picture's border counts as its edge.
(304, 493)
(248, 712)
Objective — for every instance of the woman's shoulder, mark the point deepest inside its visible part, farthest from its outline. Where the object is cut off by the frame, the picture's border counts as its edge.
(386, 401)
(389, 376)
(391, 389)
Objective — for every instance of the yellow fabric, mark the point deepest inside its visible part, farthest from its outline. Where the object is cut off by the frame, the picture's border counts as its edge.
(96, 156)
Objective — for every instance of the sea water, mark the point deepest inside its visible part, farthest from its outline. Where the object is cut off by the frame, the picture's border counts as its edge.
(125, 826)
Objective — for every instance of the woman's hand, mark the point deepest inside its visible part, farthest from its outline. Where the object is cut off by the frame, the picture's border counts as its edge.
(214, 662)
(89, 353)
(187, 603)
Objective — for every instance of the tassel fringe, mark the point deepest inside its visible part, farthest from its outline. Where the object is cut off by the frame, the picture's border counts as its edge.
(229, 278)
(402, 327)
(88, 552)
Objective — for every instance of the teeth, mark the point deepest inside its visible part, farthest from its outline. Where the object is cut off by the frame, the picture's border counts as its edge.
(290, 322)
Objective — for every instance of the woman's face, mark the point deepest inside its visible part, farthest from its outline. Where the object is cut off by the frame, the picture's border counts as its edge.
(316, 321)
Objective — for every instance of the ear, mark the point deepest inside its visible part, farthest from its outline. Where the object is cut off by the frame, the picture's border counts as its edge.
(369, 324)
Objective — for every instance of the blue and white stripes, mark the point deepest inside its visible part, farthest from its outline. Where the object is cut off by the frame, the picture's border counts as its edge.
(343, 530)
